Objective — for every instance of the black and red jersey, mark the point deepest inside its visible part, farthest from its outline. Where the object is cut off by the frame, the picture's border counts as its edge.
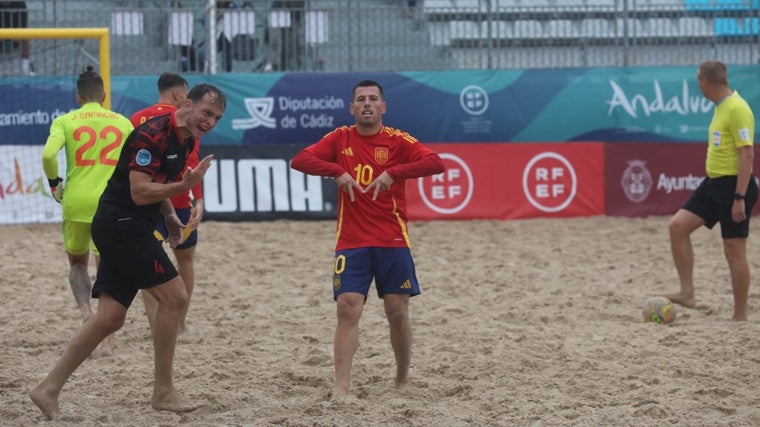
(153, 148)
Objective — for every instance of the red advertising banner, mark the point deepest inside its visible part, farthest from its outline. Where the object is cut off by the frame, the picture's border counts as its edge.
(510, 181)
(652, 178)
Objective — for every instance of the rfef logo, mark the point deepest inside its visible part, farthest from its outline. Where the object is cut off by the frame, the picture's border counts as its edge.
(448, 192)
(549, 182)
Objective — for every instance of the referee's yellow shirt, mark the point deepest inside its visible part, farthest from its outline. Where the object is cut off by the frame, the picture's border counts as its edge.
(732, 126)
(93, 137)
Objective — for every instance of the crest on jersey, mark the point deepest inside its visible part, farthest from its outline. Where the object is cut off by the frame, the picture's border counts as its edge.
(381, 154)
(143, 157)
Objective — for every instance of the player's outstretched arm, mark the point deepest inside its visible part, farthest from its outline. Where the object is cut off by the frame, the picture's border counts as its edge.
(146, 192)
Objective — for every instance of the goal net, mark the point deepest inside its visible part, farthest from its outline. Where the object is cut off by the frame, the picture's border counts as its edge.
(29, 106)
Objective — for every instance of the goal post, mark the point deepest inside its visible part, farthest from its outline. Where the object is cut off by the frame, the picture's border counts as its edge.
(72, 33)
(29, 106)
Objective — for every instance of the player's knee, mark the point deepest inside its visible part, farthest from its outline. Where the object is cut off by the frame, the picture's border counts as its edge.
(111, 322)
(349, 309)
(176, 301)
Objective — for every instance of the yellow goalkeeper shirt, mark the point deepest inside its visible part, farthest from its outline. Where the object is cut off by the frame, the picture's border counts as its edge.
(732, 126)
(93, 137)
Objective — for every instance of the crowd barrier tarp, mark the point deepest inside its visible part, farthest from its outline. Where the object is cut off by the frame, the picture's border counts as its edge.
(24, 192)
(511, 181)
(643, 179)
(246, 183)
(482, 181)
(626, 104)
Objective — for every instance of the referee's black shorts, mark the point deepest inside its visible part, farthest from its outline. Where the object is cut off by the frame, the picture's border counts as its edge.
(712, 201)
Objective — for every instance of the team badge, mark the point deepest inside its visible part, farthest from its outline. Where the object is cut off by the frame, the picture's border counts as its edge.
(744, 134)
(381, 154)
(143, 157)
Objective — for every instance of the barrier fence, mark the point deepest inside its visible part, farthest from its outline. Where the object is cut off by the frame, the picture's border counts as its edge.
(207, 36)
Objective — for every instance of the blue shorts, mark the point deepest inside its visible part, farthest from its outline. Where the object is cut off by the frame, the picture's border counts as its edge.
(189, 237)
(712, 201)
(392, 269)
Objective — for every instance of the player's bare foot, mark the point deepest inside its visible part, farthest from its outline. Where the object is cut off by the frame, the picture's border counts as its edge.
(680, 298)
(182, 329)
(339, 392)
(402, 383)
(174, 402)
(46, 401)
(96, 354)
(109, 344)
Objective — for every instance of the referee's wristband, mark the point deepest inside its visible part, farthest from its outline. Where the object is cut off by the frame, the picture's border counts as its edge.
(738, 196)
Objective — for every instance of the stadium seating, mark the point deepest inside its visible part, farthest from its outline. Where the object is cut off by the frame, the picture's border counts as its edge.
(681, 26)
(378, 35)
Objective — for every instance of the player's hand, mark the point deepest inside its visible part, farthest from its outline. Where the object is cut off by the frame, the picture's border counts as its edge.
(191, 177)
(174, 226)
(196, 214)
(737, 211)
(346, 183)
(381, 183)
(56, 188)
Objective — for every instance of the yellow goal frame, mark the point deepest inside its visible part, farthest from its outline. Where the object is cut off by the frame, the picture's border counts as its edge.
(71, 33)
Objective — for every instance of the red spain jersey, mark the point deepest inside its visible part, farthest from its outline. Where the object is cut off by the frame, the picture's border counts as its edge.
(366, 222)
(180, 200)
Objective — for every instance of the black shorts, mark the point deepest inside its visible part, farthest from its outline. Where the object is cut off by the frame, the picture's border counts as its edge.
(712, 201)
(130, 259)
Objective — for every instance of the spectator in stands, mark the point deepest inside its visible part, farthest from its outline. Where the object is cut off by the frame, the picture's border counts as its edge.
(188, 53)
(223, 42)
(13, 14)
(727, 195)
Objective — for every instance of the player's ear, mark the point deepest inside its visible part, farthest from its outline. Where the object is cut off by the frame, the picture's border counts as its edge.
(103, 98)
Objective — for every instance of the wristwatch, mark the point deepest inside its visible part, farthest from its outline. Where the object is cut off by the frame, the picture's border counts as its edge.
(738, 196)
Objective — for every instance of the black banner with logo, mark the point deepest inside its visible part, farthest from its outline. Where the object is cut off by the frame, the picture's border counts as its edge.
(253, 183)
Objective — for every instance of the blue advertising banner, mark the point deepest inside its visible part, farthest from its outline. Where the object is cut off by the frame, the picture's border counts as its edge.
(647, 104)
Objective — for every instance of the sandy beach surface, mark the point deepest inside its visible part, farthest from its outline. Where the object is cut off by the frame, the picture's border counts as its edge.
(520, 323)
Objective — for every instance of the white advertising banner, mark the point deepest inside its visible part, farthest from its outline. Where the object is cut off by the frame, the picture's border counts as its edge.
(24, 193)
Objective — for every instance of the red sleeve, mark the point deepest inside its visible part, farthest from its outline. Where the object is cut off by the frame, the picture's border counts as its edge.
(192, 161)
(426, 166)
(309, 163)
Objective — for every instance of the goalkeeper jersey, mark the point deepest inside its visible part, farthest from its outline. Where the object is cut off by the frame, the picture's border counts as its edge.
(93, 137)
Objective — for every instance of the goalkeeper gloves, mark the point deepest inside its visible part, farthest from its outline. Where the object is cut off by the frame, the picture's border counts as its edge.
(56, 188)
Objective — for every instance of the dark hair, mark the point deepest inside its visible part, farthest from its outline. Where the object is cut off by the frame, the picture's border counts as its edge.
(198, 91)
(90, 85)
(367, 83)
(168, 81)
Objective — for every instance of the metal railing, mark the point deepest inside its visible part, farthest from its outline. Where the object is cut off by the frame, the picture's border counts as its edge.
(147, 37)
